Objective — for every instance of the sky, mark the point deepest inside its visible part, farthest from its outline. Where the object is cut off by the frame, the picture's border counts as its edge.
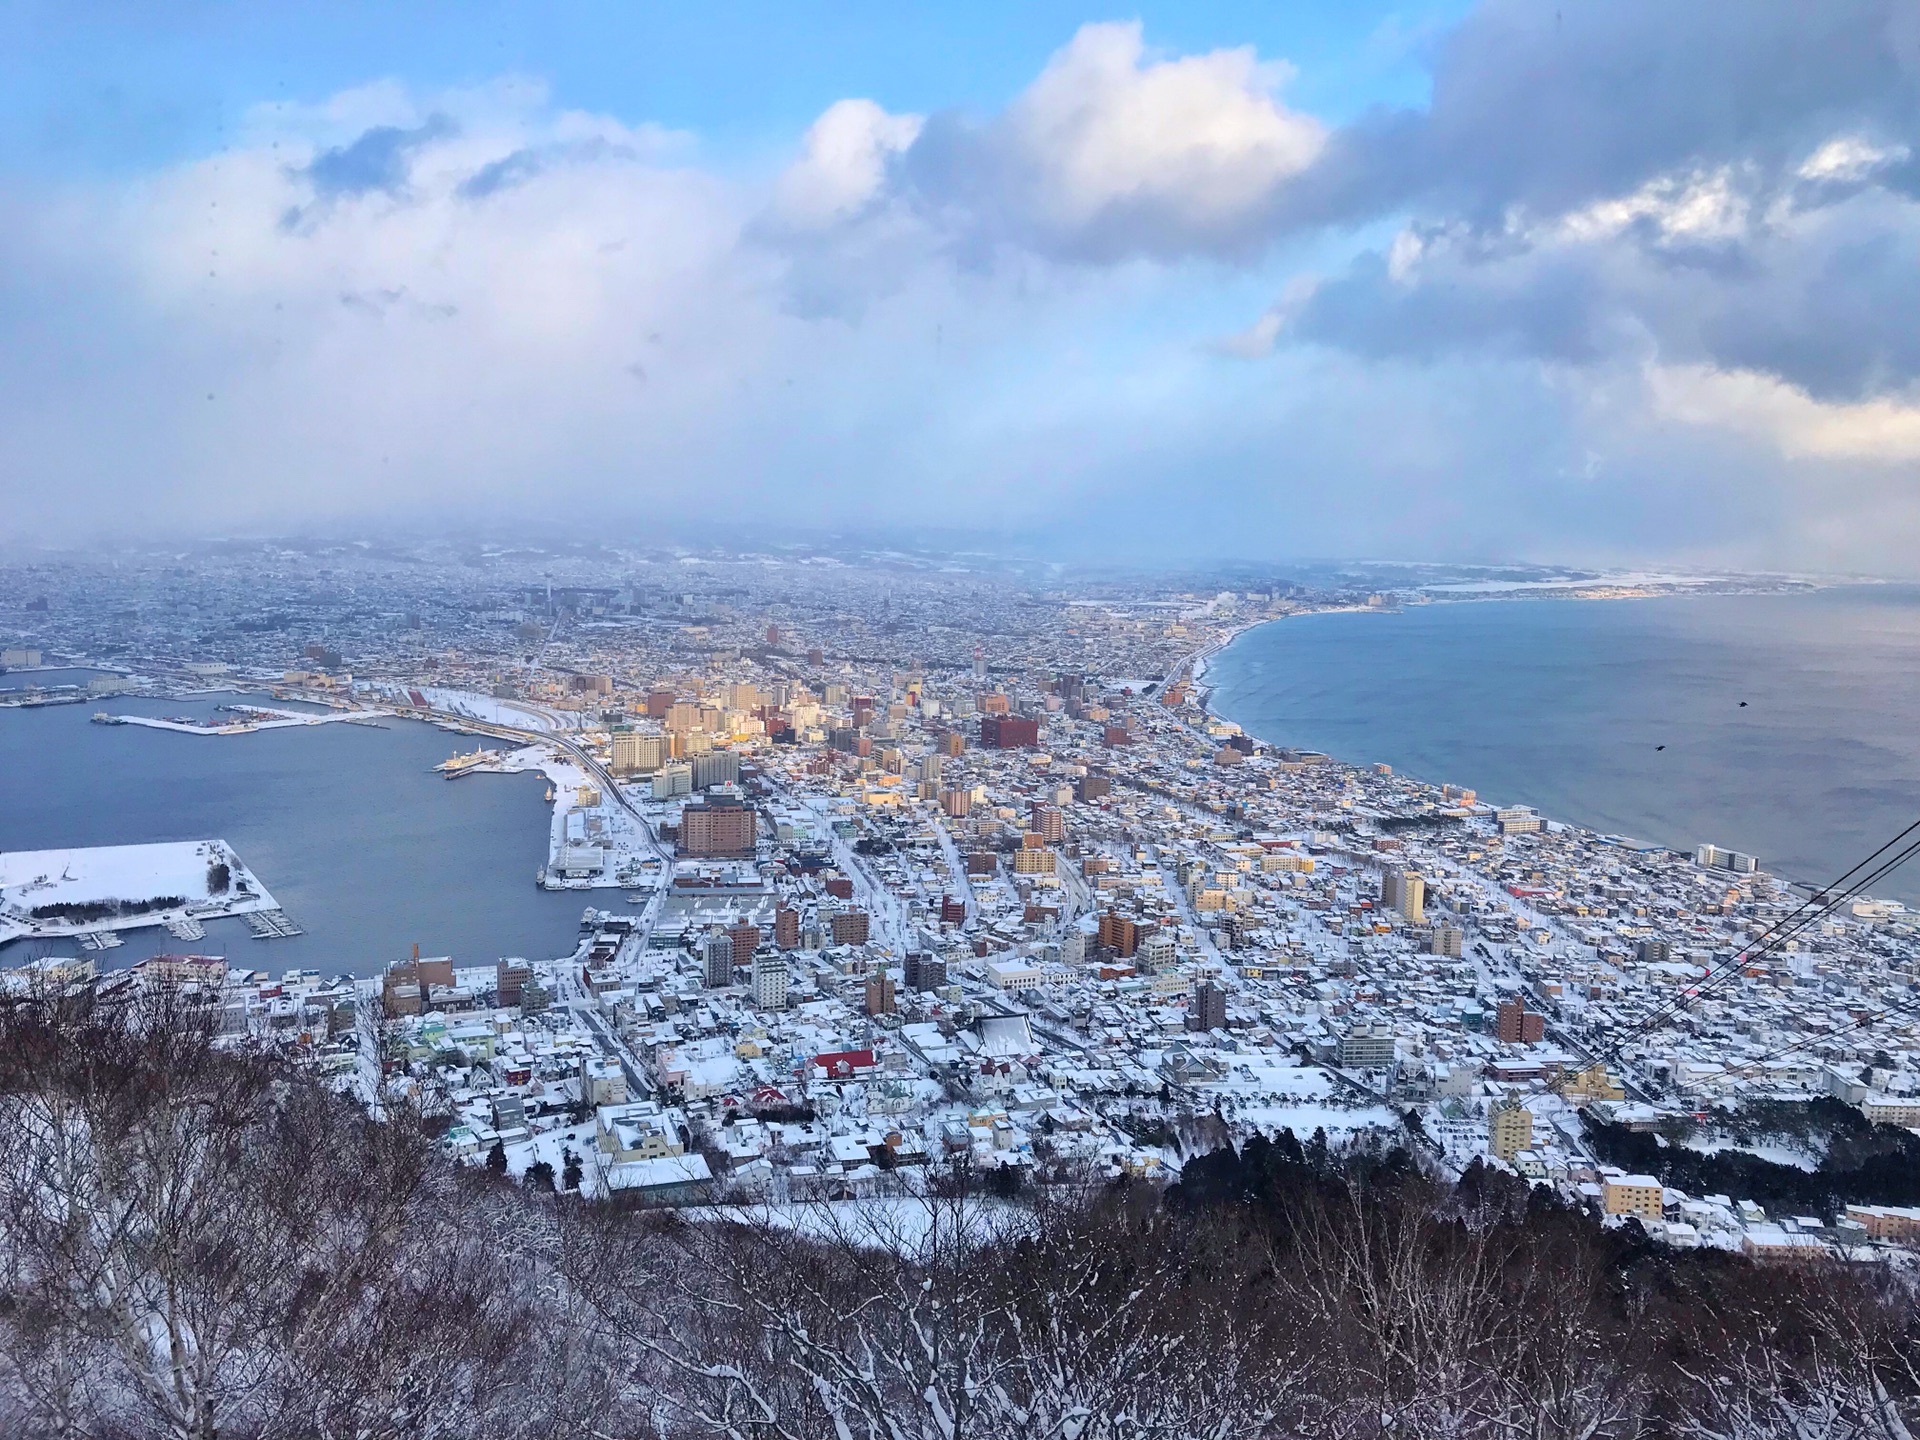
(1596, 281)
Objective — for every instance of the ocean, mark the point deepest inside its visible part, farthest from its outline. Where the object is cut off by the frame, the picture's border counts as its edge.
(366, 848)
(1565, 705)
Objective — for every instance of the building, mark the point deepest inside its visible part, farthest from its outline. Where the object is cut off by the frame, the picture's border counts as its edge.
(786, 928)
(717, 960)
(602, 1081)
(1049, 824)
(722, 826)
(716, 767)
(1366, 1048)
(1638, 1195)
(1119, 934)
(1891, 1109)
(745, 936)
(1030, 861)
(1653, 952)
(1515, 1025)
(1714, 858)
(1518, 821)
(849, 927)
(956, 803)
(770, 980)
(1156, 953)
(1896, 1224)
(1093, 787)
(510, 980)
(1009, 732)
(1509, 1130)
(925, 971)
(1446, 940)
(1406, 892)
(672, 781)
(881, 999)
(1209, 1009)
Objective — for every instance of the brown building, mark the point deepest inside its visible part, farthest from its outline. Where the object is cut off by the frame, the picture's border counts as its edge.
(1049, 824)
(1119, 934)
(510, 978)
(953, 743)
(746, 939)
(850, 927)
(786, 928)
(720, 828)
(1009, 732)
(952, 911)
(1209, 1009)
(659, 702)
(1515, 1025)
(880, 993)
(1094, 787)
(957, 803)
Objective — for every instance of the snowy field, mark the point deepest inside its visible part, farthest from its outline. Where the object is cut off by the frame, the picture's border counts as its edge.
(33, 879)
(281, 720)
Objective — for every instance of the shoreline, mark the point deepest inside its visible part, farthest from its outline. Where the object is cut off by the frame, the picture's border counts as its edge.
(1205, 696)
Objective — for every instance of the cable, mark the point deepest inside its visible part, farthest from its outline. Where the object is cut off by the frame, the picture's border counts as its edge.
(1847, 886)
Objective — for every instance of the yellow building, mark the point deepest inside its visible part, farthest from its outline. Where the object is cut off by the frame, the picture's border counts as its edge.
(1640, 1195)
(1593, 1083)
(1509, 1130)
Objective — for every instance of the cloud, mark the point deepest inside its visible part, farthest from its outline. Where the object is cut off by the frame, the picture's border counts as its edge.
(844, 164)
(1883, 431)
(1571, 309)
(1113, 153)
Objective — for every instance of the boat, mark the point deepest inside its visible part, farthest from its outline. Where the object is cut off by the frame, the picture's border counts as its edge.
(459, 765)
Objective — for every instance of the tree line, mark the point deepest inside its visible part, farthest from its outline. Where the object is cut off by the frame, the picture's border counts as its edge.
(198, 1240)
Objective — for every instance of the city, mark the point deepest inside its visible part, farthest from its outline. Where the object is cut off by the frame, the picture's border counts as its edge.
(867, 887)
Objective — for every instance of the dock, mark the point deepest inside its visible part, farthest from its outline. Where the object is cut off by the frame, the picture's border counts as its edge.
(100, 940)
(271, 925)
(185, 927)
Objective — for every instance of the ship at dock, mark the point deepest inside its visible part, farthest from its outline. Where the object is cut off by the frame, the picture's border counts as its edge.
(459, 765)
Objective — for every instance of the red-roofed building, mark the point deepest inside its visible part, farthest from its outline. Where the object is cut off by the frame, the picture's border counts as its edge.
(845, 1064)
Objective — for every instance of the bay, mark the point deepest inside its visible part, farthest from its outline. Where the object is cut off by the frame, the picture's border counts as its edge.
(1564, 705)
(366, 848)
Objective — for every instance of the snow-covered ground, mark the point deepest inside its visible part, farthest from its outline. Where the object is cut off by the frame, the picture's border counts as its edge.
(282, 720)
(33, 879)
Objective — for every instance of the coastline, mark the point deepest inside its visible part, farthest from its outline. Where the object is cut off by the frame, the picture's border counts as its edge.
(1206, 697)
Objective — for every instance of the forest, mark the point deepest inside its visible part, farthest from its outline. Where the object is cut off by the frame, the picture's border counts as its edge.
(199, 1240)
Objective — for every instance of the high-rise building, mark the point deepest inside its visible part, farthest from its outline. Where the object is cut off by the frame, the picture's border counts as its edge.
(786, 928)
(635, 753)
(716, 767)
(1446, 940)
(1515, 1025)
(925, 971)
(1654, 951)
(1049, 824)
(718, 957)
(770, 980)
(1119, 934)
(1714, 858)
(721, 826)
(659, 702)
(745, 936)
(1509, 1130)
(1093, 787)
(880, 993)
(1209, 1009)
(1156, 953)
(849, 927)
(1009, 732)
(956, 802)
(1406, 892)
